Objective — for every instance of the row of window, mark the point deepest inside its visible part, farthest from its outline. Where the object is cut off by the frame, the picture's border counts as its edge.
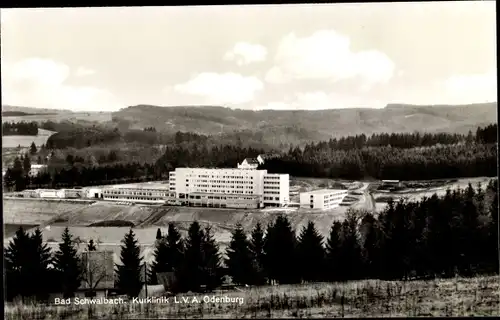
(271, 198)
(133, 198)
(272, 192)
(220, 198)
(268, 188)
(135, 193)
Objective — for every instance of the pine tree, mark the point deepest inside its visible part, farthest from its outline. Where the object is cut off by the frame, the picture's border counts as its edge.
(16, 264)
(239, 260)
(350, 251)
(256, 247)
(280, 248)
(212, 270)
(40, 257)
(33, 149)
(26, 164)
(311, 254)
(129, 272)
(168, 254)
(158, 234)
(91, 246)
(68, 264)
(371, 246)
(190, 276)
(333, 247)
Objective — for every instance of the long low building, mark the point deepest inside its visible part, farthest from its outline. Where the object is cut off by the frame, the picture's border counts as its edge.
(141, 193)
(322, 199)
(246, 188)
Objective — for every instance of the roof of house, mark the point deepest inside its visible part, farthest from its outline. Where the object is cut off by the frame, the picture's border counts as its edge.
(324, 191)
(251, 161)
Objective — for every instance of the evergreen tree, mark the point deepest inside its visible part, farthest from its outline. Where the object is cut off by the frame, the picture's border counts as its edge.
(311, 254)
(91, 246)
(256, 247)
(38, 274)
(493, 239)
(68, 264)
(168, 254)
(211, 262)
(16, 265)
(333, 247)
(371, 246)
(190, 276)
(129, 272)
(26, 165)
(239, 260)
(158, 234)
(280, 249)
(33, 149)
(350, 251)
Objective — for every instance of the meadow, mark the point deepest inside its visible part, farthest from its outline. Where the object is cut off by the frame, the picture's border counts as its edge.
(368, 298)
(25, 141)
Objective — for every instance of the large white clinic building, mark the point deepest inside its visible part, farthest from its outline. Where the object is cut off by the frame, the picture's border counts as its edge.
(322, 199)
(229, 188)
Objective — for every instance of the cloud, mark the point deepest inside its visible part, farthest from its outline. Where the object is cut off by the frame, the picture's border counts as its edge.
(227, 88)
(475, 88)
(320, 100)
(82, 71)
(245, 53)
(40, 83)
(326, 55)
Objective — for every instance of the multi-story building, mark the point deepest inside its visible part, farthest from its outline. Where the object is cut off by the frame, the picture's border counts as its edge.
(322, 199)
(146, 193)
(228, 188)
(276, 189)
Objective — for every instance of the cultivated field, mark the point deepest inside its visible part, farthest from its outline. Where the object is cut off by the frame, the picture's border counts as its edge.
(25, 141)
(62, 116)
(369, 298)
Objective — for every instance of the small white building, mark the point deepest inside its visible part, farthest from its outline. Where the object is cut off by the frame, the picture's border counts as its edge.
(249, 163)
(36, 169)
(93, 193)
(322, 199)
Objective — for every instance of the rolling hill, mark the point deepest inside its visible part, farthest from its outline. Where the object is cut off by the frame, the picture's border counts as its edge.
(320, 124)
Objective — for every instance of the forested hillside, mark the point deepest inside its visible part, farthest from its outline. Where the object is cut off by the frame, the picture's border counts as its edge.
(396, 156)
(322, 124)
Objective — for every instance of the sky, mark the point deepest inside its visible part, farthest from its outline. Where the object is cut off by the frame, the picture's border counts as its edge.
(250, 57)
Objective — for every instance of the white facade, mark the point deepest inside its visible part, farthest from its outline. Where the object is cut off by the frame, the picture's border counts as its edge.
(230, 182)
(276, 189)
(140, 193)
(322, 199)
(94, 193)
(248, 163)
(36, 169)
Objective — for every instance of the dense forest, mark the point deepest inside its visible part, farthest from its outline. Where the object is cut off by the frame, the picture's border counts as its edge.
(20, 128)
(432, 238)
(351, 158)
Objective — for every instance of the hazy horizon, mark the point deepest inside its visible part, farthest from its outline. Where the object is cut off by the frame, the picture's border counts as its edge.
(280, 57)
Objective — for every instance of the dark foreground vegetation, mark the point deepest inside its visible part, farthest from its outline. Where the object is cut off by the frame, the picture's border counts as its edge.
(381, 156)
(432, 238)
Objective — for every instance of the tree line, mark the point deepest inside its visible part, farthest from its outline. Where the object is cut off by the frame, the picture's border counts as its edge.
(20, 128)
(436, 237)
(448, 161)
(477, 156)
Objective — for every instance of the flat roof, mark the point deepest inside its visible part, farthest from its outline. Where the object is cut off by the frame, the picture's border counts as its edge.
(138, 186)
(324, 191)
(223, 194)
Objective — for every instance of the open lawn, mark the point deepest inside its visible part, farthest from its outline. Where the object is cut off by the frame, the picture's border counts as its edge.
(368, 298)
(25, 141)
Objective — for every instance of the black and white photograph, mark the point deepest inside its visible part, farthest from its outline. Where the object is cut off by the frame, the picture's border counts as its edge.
(250, 161)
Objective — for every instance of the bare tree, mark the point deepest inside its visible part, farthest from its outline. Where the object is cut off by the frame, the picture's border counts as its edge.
(96, 269)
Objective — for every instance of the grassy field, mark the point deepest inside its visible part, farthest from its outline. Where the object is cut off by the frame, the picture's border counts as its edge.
(369, 298)
(62, 116)
(25, 141)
